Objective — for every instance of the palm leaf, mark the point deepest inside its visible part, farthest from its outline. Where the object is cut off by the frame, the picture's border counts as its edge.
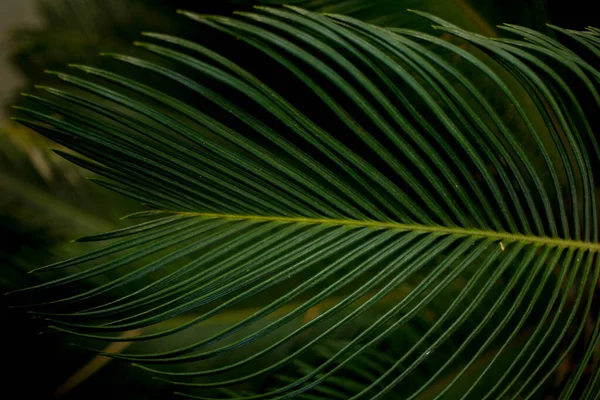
(357, 186)
(49, 194)
(44, 202)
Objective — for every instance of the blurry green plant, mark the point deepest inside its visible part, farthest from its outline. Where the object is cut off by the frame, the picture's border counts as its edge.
(340, 210)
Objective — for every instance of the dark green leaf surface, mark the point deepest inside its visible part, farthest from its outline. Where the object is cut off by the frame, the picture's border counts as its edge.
(418, 214)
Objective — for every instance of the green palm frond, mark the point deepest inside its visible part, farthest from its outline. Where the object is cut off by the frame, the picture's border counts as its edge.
(72, 31)
(380, 12)
(49, 194)
(358, 184)
(44, 202)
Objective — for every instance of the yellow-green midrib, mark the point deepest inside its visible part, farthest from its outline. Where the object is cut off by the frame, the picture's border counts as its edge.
(493, 235)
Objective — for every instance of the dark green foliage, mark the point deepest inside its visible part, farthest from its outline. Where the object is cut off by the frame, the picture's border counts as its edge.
(339, 210)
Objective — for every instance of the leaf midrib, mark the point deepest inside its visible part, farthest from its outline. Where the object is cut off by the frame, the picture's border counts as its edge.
(494, 235)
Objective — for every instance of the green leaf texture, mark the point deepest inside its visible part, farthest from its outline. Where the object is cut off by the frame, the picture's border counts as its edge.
(345, 211)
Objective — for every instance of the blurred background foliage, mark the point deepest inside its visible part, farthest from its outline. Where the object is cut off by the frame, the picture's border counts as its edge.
(45, 201)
